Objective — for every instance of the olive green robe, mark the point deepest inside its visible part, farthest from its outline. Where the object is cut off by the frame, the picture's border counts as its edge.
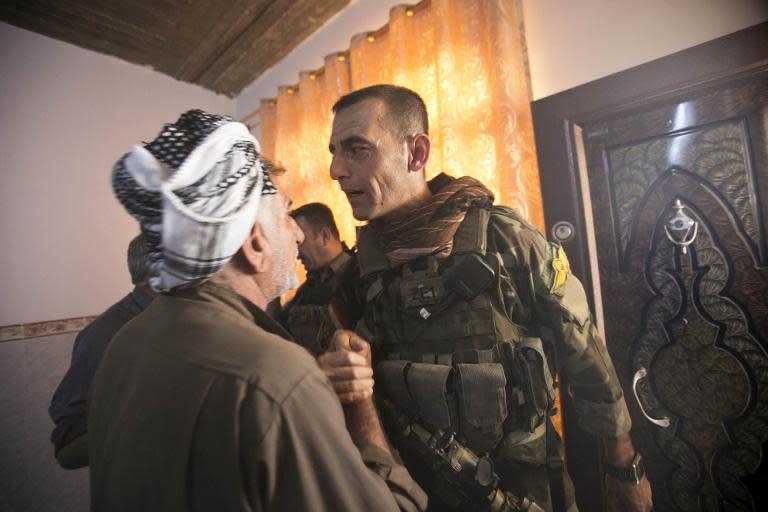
(201, 403)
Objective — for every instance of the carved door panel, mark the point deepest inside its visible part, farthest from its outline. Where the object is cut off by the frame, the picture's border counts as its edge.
(678, 187)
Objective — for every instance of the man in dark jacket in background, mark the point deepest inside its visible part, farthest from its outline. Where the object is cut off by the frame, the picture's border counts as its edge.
(69, 406)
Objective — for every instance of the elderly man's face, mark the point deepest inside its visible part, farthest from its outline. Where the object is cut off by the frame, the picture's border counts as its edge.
(284, 237)
(369, 161)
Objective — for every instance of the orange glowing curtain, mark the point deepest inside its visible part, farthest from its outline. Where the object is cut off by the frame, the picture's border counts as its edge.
(294, 131)
(465, 58)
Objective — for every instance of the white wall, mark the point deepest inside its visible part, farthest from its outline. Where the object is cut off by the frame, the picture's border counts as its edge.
(571, 42)
(66, 115)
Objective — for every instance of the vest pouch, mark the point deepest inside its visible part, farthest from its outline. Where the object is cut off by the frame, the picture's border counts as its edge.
(390, 377)
(428, 385)
(532, 374)
(420, 284)
(482, 402)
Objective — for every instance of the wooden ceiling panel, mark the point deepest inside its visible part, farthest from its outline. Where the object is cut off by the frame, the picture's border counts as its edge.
(271, 36)
(222, 46)
(211, 37)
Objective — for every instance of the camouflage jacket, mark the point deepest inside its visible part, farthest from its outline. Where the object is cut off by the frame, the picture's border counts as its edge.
(553, 299)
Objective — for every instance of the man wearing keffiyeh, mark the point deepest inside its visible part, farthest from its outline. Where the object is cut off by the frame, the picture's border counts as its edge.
(202, 402)
(466, 306)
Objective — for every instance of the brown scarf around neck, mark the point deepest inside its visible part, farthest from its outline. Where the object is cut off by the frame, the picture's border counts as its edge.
(429, 228)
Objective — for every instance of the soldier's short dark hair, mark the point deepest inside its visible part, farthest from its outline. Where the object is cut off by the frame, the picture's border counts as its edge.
(318, 216)
(406, 111)
(138, 260)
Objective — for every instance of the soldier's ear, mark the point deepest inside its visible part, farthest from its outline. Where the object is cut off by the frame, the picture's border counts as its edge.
(418, 152)
(256, 250)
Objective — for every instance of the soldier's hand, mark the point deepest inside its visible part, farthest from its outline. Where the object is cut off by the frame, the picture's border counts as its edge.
(347, 364)
(628, 496)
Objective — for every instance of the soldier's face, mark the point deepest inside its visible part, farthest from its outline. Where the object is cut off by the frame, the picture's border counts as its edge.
(369, 161)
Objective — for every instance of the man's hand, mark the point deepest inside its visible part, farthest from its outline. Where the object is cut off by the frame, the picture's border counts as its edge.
(347, 364)
(625, 496)
(628, 496)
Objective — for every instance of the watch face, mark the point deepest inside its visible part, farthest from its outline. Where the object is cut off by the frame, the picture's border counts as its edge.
(639, 466)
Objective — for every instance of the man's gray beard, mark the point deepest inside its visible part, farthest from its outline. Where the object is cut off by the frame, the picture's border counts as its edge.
(291, 282)
(285, 278)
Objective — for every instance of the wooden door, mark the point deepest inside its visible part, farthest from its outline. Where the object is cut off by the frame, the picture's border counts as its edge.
(672, 187)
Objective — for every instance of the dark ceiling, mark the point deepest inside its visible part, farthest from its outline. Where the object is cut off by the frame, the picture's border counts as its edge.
(220, 45)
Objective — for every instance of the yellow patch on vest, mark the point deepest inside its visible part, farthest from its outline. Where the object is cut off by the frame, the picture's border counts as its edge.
(561, 269)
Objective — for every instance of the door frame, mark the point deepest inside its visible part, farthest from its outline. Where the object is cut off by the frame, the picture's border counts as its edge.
(565, 194)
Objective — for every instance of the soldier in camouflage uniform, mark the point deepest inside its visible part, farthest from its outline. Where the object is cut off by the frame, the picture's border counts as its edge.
(470, 312)
(325, 258)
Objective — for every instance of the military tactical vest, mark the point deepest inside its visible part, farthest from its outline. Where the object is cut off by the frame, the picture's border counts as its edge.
(449, 354)
(308, 317)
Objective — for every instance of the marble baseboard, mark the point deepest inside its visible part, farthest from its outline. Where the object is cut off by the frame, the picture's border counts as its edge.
(47, 328)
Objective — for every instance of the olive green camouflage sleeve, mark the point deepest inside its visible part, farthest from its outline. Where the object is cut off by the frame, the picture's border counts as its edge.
(552, 298)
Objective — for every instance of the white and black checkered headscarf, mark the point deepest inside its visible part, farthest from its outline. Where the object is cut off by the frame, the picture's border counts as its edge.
(195, 190)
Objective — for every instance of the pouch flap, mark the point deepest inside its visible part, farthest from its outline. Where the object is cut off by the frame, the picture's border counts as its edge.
(428, 384)
(483, 398)
(536, 344)
(390, 375)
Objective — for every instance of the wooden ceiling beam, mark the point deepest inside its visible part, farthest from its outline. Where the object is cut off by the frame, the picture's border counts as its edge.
(271, 36)
(223, 30)
(222, 46)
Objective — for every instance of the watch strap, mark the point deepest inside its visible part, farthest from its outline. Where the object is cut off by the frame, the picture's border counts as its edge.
(632, 473)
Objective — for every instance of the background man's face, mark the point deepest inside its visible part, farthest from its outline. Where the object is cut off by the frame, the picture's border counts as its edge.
(369, 161)
(311, 249)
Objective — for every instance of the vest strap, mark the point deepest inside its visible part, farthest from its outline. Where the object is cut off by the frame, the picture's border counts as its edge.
(370, 254)
(472, 235)
(376, 287)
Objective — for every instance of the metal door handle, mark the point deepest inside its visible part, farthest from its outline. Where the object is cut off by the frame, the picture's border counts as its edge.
(684, 227)
(641, 374)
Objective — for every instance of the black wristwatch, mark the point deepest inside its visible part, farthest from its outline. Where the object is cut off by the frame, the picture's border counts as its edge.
(632, 473)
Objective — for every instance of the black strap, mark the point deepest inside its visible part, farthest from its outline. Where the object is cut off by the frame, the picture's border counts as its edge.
(555, 468)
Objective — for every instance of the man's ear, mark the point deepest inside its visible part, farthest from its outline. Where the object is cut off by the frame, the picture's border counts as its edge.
(256, 250)
(325, 234)
(419, 152)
